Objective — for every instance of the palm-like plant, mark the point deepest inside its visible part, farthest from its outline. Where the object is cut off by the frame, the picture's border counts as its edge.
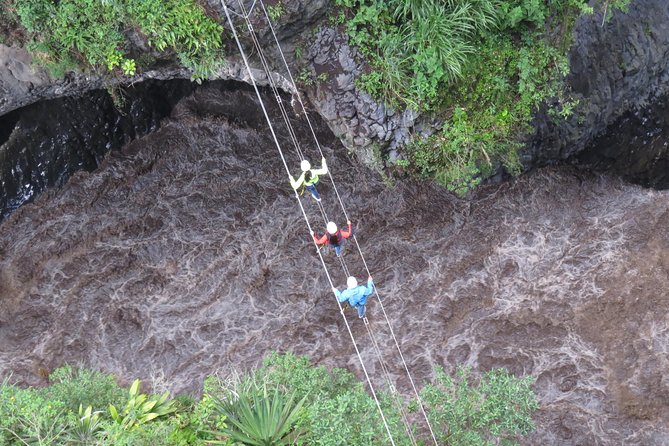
(141, 409)
(86, 430)
(260, 418)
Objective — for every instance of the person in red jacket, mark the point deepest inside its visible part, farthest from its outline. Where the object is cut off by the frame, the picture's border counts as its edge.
(334, 236)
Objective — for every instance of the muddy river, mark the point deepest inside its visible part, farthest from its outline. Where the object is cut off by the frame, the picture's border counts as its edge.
(185, 253)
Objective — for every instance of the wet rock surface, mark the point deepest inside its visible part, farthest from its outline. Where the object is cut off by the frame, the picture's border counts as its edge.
(43, 144)
(615, 67)
(185, 253)
(634, 147)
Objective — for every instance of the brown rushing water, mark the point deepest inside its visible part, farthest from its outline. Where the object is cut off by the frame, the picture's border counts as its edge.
(186, 254)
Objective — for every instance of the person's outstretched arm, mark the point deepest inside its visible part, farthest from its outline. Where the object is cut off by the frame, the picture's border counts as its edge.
(370, 286)
(347, 233)
(340, 298)
(323, 170)
(319, 240)
(295, 183)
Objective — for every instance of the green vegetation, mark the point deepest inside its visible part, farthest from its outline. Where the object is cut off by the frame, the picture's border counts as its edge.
(286, 401)
(481, 66)
(67, 34)
(502, 407)
(257, 417)
(275, 11)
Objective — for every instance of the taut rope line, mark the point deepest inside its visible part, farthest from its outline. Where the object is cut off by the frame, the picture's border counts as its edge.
(392, 332)
(278, 146)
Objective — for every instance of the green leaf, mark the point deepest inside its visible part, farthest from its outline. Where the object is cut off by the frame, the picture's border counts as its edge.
(113, 412)
(134, 389)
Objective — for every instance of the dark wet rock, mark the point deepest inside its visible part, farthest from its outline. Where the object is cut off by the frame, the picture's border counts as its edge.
(43, 144)
(635, 147)
(620, 66)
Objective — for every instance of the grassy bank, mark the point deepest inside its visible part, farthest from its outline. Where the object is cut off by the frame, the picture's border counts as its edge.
(286, 401)
(108, 35)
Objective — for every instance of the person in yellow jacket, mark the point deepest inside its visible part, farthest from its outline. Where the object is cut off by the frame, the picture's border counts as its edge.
(309, 177)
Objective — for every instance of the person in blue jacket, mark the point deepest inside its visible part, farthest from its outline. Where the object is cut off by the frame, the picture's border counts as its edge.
(355, 294)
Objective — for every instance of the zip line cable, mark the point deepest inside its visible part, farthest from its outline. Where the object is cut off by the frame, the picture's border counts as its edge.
(270, 80)
(306, 114)
(297, 146)
(278, 146)
(296, 143)
(322, 210)
(284, 113)
(393, 392)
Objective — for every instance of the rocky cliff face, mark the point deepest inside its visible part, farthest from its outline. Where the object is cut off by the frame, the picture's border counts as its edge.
(620, 65)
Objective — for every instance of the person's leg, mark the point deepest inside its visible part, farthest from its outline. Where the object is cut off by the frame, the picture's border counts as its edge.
(337, 249)
(314, 192)
(361, 311)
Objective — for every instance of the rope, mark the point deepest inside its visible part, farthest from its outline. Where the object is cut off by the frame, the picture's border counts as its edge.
(323, 213)
(399, 350)
(343, 264)
(306, 219)
(299, 98)
(296, 144)
(393, 391)
(270, 79)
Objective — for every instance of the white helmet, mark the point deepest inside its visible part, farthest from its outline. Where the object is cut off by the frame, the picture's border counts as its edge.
(332, 227)
(351, 282)
(305, 165)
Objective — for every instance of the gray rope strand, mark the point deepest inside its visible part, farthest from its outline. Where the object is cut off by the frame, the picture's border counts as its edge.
(343, 265)
(399, 350)
(393, 391)
(270, 80)
(299, 98)
(306, 114)
(278, 146)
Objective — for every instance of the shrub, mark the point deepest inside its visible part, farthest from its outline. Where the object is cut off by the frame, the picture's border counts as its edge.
(416, 47)
(87, 428)
(286, 401)
(91, 32)
(498, 408)
(338, 409)
(76, 387)
(27, 417)
(183, 26)
(481, 66)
